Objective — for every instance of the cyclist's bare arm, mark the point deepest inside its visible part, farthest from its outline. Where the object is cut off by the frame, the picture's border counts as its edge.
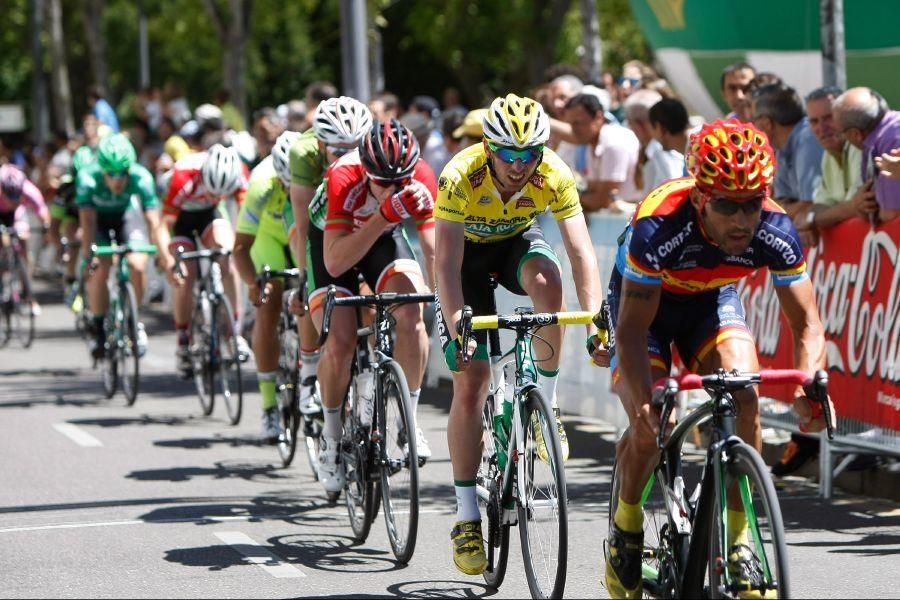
(450, 236)
(152, 219)
(799, 306)
(344, 249)
(638, 305)
(242, 260)
(87, 220)
(585, 271)
(426, 241)
(301, 196)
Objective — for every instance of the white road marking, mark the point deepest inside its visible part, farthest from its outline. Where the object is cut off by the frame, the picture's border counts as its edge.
(258, 555)
(77, 435)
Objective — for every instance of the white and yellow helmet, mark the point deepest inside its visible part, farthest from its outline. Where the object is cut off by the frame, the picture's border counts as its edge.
(516, 122)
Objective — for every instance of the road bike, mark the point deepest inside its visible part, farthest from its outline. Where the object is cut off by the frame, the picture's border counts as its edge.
(379, 455)
(686, 545)
(16, 314)
(215, 359)
(514, 485)
(121, 360)
(288, 379)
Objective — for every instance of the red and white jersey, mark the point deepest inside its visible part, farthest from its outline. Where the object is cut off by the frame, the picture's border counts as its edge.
(350, 204)
(186, 190)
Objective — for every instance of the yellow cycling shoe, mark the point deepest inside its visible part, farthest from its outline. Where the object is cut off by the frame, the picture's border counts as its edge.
(746, 570)
(468, 547)
(539, 437)
(623, 551)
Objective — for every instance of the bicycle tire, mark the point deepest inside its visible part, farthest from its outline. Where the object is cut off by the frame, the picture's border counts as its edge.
(359, 489)
(22, 314)
(497, 535)
(201, 336)
(109, 366)
(767, 542)
(660, 574)
(5, 308)
(128, 356)
(545, 497)
(399, 468)
(288, 398)
(313, 425)
(228, 371)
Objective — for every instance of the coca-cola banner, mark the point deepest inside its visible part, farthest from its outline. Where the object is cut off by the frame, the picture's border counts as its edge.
(856, 277)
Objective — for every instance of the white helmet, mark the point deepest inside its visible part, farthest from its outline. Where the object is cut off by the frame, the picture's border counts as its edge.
(341, 120)
(221, 171)
(280, 155)
(516, 122)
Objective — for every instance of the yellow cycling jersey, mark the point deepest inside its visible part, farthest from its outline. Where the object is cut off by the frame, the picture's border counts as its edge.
(466, 194)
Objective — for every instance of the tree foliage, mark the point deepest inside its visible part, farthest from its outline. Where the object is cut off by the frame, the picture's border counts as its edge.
(483, 48)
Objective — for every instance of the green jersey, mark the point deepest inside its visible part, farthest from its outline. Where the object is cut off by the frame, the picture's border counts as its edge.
(91, 191)
(307, 164)
(264, 204)
(318, 209)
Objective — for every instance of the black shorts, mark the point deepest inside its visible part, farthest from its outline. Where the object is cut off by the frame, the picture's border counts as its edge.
(503, 259)
(190, 221)
(8, 219)
(390, 255)
(695, 323)
(116, 228)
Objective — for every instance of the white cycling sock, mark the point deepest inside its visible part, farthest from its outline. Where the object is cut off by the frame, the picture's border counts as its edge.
(549, 380)
(466, 501)
(309, 362)
(333, 423)
(414, 404)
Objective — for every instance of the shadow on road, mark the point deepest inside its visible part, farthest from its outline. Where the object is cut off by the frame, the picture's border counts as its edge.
(129, 421)
(206, 443)
(221, 470)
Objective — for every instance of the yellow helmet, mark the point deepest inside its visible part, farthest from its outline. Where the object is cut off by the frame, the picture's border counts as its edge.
(516, 122)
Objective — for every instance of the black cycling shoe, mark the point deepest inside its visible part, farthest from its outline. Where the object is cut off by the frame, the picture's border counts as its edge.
(623, 551)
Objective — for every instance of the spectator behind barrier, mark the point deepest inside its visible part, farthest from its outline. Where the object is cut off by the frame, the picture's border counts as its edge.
(104, 111)
(384, 106)
(637, 119)
(867, 122)
(613, 157)
(735, 89)
(670, 125)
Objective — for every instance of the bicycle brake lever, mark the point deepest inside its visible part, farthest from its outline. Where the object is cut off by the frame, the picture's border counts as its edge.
(818, 390)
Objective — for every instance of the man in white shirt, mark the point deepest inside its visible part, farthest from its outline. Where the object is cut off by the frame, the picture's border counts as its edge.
(669, 123)
(637, 119)
(611, 164)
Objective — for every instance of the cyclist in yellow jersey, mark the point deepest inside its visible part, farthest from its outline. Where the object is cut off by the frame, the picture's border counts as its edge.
(489, 197)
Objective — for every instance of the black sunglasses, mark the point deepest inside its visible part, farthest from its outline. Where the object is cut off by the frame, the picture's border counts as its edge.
(728, 207)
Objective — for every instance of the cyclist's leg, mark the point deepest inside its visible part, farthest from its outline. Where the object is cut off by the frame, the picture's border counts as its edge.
(220, 234)
(183, 295)
(70, 230)
(23, 230)
(137, 263)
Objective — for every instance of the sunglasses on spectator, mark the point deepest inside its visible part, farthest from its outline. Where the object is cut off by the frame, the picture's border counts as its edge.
(629, 80)
(338, 151)
(117, 174)
(728, 207)
(511, 155)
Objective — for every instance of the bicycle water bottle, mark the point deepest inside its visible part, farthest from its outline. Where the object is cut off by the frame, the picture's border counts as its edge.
(365, 395)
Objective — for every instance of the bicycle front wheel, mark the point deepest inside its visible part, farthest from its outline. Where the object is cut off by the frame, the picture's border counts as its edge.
(128, 355)
(109, 364)
(745, 482)
(543, 525)
(228, 380)
(290, 415)
(201, 342)
(400, 462)
(496, 538)
(22, 315)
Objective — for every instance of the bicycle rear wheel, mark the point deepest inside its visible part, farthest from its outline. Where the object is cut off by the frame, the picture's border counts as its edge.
(313, 425)
(744, 473)
(227, 380)
(496, 538)
(543, 524)
(201, 343)
(359, 490)
(6, 308)
(400, 464)
(128, 356)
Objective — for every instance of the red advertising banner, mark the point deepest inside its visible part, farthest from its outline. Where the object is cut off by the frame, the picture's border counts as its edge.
(855, 273)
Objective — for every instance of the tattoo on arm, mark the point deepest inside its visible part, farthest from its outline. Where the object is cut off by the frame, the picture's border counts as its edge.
(638, 294)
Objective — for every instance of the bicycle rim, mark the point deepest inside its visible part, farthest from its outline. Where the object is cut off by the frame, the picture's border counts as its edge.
(229, 383)
(496, 538)
(129, 359)
(399, 468)
(543, 525)
(312, 436)
(23, 315)
(109, 366)
(359, 492)
(745, 474)
(287, 409)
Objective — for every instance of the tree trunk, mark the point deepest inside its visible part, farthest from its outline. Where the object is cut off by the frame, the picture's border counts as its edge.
(96, 41)
(234, 31)
(59, 81)
(40, 112)
(547, 20)
(590, 24)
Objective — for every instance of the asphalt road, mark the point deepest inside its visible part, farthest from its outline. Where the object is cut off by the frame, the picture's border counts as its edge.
(101, 500)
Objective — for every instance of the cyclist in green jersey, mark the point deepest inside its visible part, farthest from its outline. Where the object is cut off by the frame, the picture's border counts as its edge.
(64, 211)
(338, 126)
(262, 240)
(103, 194)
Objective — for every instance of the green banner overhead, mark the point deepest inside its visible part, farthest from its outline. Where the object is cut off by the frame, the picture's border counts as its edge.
(693, 40)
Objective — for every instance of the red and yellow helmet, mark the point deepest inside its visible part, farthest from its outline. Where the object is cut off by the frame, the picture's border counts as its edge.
(731, 158)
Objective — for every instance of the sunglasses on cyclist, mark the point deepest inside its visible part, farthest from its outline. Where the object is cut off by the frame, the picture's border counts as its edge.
(511, 155)
(728, 207)
(338, 151)
(117, 174)
(383, 182)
